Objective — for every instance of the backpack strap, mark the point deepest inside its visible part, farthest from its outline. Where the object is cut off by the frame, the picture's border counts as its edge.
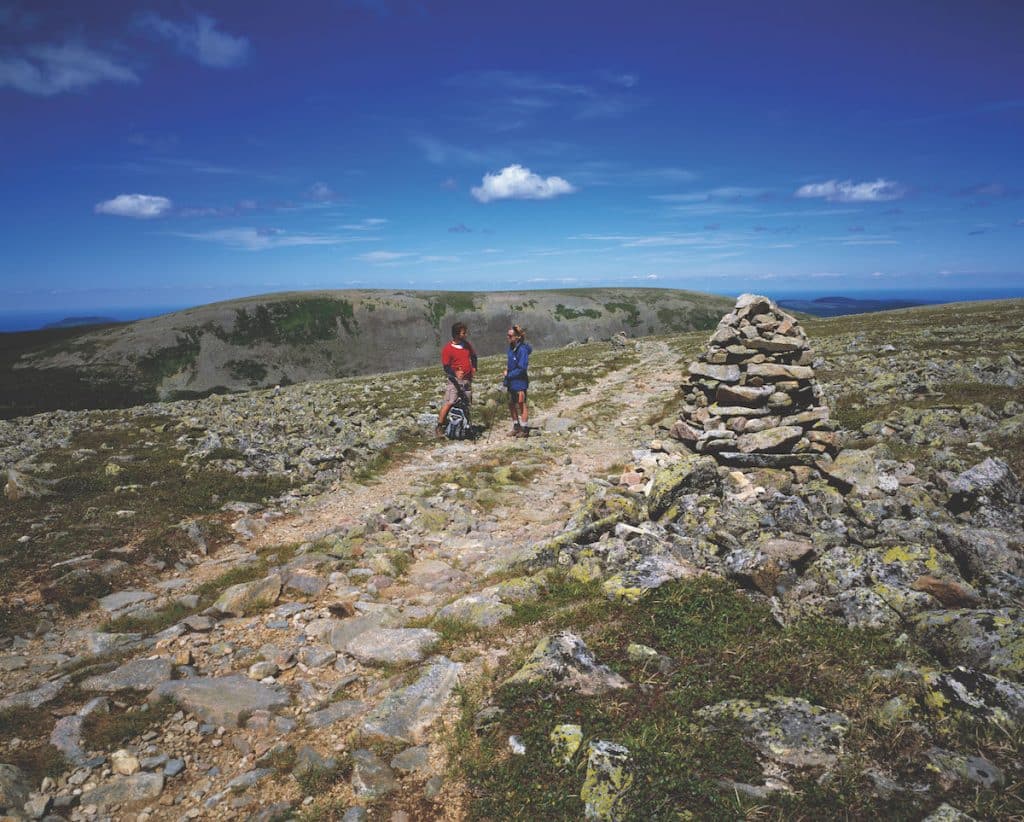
(462, 394)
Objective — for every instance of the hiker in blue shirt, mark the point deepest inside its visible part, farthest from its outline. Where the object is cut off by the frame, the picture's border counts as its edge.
(517, 381)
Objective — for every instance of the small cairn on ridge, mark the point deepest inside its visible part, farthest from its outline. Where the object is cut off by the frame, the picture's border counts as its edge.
(751, 398)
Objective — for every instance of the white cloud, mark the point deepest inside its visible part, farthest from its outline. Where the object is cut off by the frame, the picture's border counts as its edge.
(369, 224)
(48, 70)
(384, 256)
(261, 239)
(321, 193)
(140, 206)
(847, 191)
(877, 273)
(515, 182)
(200, 40)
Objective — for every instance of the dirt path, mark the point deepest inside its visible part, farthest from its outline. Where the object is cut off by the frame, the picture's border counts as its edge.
(620, 400)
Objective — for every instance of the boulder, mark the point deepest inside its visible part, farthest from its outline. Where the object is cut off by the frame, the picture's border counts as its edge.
(564, 661)
(249, 597)
(407, 713)
(226, 700)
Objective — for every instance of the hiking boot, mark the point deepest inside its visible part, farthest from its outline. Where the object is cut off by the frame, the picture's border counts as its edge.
(517, 430)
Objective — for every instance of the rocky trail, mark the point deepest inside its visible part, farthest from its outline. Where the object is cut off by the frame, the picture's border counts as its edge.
(330, 641)
(599, 620)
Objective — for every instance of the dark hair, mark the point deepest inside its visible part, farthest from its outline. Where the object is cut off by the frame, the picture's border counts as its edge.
(457, 328)
(519, 332)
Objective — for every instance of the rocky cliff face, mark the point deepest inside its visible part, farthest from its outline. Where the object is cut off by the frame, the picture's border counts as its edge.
(298, 603)
(289, 338)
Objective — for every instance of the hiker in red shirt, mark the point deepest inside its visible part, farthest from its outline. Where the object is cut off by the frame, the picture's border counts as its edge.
(457, 355)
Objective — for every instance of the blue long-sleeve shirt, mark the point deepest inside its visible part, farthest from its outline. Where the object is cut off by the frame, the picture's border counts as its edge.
(518, 363)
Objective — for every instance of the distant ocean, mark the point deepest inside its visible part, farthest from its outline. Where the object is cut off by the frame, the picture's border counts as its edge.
(34, 319)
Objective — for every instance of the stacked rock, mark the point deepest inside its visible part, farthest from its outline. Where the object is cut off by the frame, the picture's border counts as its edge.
(751, 398)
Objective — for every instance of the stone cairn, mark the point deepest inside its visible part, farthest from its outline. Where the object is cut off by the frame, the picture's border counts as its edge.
(751, 398)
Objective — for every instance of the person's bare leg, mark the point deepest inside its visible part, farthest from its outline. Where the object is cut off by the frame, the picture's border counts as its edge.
(442, 416)
(514, 413)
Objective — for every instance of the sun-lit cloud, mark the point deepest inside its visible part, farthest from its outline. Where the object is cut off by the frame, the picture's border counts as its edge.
(199, 39)
(46, 70)
(847, 191)
(139, 206)
(261, 239)
(515, 182)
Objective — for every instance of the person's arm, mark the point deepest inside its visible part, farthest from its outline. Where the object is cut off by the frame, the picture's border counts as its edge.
(519, 362)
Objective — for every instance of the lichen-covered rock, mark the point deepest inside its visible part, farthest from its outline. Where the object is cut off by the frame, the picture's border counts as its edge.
(989, 639)
(947, 813)
(990, 555)
(991, 492)
(787, 730)
(979, 696)
(691, 474)
(852, 471)
(646, 575)
(564, 661)
(125, 790)
(476, 609)
(609, 778)
(249, 597)
(951, 767)
(565, 741)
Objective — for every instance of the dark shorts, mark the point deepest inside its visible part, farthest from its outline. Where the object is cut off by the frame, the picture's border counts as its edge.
(513, 394)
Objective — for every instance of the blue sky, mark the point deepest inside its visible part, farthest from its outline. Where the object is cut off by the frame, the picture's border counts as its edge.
(172, 153)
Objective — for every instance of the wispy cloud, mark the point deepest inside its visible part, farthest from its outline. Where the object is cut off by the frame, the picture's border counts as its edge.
(199, 39)
(440, 152)
(460, 228)
(138, 206)
(261, 239)
(368, 224)
(379, 257)
(728, 193)
(515, 182)
(989, 191)
(322, 193)
(847, 191)
(46, 70)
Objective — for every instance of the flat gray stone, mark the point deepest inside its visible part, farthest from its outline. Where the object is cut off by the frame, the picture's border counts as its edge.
(225, 700)
(100, 642)
(722, 373)
(125, 790)
(406, 714)
(125, 600)
(66, 737)
(371, 778)
(335, 712)
(343, 632)
(137, 675)
(392, 645)
(34, 698)
(852, 471)
(774, 371)
(411, 759)
(780, 438)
